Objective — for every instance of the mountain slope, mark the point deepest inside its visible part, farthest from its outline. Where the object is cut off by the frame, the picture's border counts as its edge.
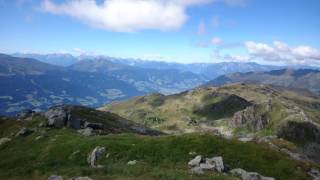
(297, 79)
(42, 151)
(208, 106)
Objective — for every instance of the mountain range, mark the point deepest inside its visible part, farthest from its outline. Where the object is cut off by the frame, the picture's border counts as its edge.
(299, 79)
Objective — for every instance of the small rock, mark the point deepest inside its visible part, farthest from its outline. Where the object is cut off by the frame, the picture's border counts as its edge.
(196, 170)
(195, 162)
(192, 153)
(314, 173)
(134, 162)
(244, 175)
(4, 140)
(81, 178)
(24, 132)
(38, 137)
(86, 132)
(55, 177)
(96, 154)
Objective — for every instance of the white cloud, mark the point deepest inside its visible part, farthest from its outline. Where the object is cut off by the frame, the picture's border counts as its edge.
(280, 51)
(126, 15)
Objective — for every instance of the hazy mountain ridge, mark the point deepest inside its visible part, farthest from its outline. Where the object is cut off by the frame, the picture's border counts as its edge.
(308, 79)
(28, 83)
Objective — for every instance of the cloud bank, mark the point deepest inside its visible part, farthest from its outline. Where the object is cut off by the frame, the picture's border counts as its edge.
(280, 51)
(126, 15)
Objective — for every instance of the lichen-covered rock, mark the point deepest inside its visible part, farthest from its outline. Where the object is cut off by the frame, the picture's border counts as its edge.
(244, 175)
(95, 155)
(251, 116)
(195, 162)
(60, 116)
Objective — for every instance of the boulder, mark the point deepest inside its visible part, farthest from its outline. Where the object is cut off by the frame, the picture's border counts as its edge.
(4, 140)
(86, 132)
(55, 177)
(95, 155)
(24, 131)
(60, 116)
(57, 117)
(244, 175)
(216, 162)
(195, 162)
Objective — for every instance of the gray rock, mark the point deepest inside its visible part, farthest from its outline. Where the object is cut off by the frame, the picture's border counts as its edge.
(60, 116)
(25, 114)
(196, 170)
(249, 117)
(244, 175)
(24, 131)
(95, 155)
(55, 177)
(57, 117)
(4, 140)
(81, 178)
(216, 162)
(86, 132)
(38, 138)
(195, 162)
(134, 162)
(314, 173)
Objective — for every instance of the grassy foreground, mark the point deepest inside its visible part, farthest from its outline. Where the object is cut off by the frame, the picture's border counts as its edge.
(64, 152)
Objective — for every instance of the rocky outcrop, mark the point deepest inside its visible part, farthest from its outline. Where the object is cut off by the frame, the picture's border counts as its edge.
(90, 121)
(95, 155)
(244, 175)
(60, 116)
(25, 114)
(250, 117)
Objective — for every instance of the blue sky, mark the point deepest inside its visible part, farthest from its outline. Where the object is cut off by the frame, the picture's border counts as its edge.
(272, 31)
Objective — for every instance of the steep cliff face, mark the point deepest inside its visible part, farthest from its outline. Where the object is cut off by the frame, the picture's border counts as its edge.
(251, 117)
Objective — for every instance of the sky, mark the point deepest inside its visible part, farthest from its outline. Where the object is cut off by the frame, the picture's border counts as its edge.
(185, 31)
